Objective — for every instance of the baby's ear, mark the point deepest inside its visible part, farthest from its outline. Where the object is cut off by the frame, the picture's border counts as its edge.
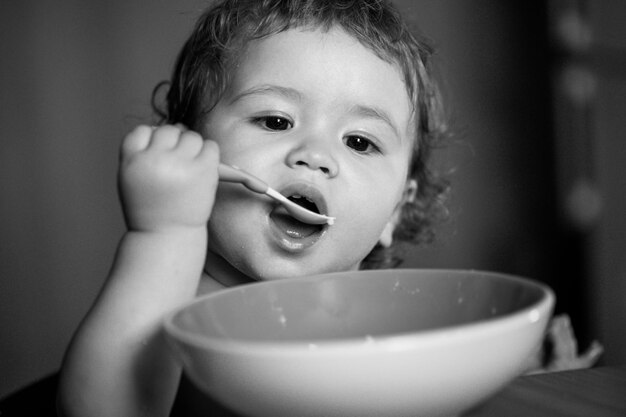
(410, 191)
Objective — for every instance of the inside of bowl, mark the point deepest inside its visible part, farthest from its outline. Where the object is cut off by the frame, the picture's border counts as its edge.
(356, 305)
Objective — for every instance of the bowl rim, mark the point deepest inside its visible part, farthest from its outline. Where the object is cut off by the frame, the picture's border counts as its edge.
(536, 313)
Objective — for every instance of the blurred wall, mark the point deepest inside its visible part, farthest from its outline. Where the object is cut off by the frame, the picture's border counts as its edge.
(75, 76)
(606, 243)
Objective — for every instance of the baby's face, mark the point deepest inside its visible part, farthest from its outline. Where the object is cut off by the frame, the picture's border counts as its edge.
(317, 115)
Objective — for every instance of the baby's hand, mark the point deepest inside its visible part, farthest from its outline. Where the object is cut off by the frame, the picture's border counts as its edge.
(564, 354)
(167, 178)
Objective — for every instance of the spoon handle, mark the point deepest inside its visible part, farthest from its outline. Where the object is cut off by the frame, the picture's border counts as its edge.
(231, 173)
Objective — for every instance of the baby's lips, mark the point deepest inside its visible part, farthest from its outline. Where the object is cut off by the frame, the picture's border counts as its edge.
(308, 191)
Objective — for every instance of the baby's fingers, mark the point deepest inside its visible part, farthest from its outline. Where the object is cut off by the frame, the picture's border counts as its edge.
(591, 356)
(209, 154)
(165, 137)
(565, 348)
(190, 143)
(564, 342)
(137, 140)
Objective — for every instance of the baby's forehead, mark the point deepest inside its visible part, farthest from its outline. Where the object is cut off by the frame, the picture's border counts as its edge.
(319, 61)
(306, 38)
(336, 51)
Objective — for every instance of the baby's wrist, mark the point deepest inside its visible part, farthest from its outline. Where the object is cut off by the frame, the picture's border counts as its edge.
(170, 231)
(158, 223)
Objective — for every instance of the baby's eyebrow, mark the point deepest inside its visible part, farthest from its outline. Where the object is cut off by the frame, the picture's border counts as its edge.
(268, 89)
(373, 112)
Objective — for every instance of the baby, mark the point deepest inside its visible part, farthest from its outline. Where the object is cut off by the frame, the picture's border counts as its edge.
(331, 102)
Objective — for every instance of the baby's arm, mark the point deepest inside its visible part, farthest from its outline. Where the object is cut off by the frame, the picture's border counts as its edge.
(118, 363)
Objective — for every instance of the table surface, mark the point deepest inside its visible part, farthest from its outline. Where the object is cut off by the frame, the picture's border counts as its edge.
(596, 392)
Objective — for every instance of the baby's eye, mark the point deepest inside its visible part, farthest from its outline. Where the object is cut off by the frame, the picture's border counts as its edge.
(274, 122)
(361, 144)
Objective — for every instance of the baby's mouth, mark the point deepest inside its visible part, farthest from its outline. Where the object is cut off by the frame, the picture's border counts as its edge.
(305, 202)
(291, 232)
(293, 227)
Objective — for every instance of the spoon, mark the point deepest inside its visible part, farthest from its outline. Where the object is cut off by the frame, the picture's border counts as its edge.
(230, 173)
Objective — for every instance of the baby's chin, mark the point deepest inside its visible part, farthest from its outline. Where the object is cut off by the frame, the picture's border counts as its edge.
(295, 270)
(240, 267)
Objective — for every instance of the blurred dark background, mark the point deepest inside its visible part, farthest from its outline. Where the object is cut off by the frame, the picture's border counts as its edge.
(538, 93)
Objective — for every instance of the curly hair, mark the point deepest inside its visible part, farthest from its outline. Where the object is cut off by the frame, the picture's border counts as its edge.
(203, 67)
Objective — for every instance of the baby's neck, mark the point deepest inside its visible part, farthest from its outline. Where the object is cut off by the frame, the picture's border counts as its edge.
(208, 285)
(222, 273)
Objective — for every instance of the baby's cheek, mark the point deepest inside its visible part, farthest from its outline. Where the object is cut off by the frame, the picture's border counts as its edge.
(371, 217)
(359, 234)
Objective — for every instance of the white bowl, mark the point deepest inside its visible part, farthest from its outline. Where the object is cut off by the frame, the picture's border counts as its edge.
(370, 343)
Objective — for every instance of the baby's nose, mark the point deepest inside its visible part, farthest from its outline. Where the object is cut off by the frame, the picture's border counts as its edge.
(315, 156)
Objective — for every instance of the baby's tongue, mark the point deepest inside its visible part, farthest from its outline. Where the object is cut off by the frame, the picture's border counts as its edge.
(291, 226)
